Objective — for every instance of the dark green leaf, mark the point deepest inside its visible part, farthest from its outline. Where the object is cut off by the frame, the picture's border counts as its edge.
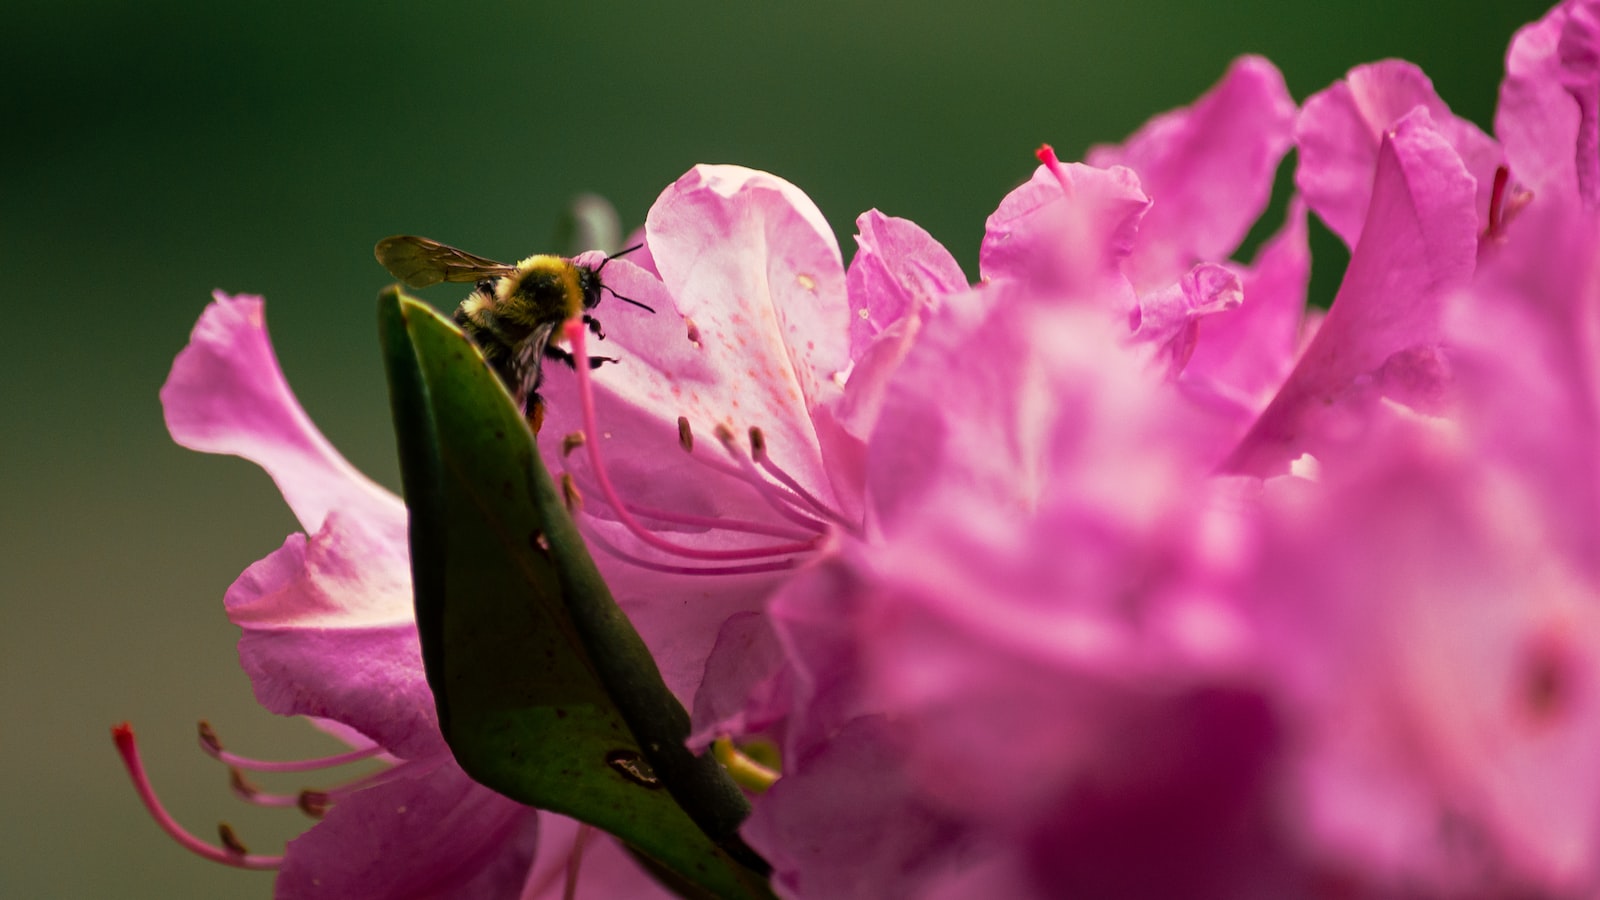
(544, 690)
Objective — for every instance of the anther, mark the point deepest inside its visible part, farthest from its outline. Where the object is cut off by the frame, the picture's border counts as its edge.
(693, 329)
(685, 435)
(313, 803)
(231, 840)
(569, 493)
(241, 785)
(570, 443)
(208, 739)
(758, 445)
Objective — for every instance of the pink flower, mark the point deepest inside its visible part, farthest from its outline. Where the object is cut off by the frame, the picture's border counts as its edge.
(728, 431)
(1157, 218)
(328, 633)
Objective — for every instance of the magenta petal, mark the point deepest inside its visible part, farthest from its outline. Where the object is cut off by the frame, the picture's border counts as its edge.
(1341, 129)
(328, 632)
(1169, 318)
(1039, 233)
(227, 394)
(436, 836)
(1547, 115)
(1419, 242)
(604, 870)
(1241, 358)
(846, 824)
(747, 688)
(898, 269)
(1208, 170)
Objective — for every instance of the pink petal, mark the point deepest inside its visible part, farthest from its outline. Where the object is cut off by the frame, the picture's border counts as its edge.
(329, 632)
(1342, 128)
(605, 870)
(1208, 169)
(1039, 234)
(898, 269)
(1169, 318)
(437, 836)
(846, 824)
(1419, 242)
(227, 394)
(1547, 115)
(747, 689)
(1242, 357)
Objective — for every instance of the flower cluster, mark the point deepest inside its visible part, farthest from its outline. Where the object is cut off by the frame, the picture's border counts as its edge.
(1119, 573)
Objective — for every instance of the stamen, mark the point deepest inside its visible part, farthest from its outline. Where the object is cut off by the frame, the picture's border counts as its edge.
(570, 443)
(231, 840)
(745, 771)
(758, 450)
(575, 337)
(784, 504)
(599, 540)
(233, 854)
(213, 748)
(685, 435)
(570, 495)
(747, 526)
(314, 803)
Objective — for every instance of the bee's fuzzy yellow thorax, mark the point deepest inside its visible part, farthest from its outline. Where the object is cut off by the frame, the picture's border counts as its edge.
(549, 272)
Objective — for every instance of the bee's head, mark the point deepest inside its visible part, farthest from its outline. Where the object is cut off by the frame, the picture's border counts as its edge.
(591, 299)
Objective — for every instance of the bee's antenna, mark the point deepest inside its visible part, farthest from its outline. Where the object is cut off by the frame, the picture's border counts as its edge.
(602, 265)
(627, 299)
(603, 262)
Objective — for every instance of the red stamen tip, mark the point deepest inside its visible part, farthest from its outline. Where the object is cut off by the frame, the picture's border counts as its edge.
(122, 733)
(1047, 155)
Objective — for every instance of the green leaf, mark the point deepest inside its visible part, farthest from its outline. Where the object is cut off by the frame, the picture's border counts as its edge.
(545, 692)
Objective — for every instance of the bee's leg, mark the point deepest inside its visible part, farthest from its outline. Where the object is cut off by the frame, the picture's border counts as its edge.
(594, 326)
(533, 412)
(557, 353)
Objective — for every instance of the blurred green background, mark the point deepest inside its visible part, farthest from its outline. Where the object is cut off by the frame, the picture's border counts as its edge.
(157, 151)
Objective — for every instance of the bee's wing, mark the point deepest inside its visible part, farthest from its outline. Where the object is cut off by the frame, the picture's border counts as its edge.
(527, 364)
(419, 262)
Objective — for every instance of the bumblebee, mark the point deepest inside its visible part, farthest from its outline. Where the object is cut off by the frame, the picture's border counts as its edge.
(513, 311)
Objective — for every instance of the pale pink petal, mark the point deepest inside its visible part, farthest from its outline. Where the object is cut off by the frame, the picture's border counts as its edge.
(227, 394)
(1548, 116)
(1418, 244)
(329, 632)
(1207, 168)
(1342, 128)
(437, 836)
